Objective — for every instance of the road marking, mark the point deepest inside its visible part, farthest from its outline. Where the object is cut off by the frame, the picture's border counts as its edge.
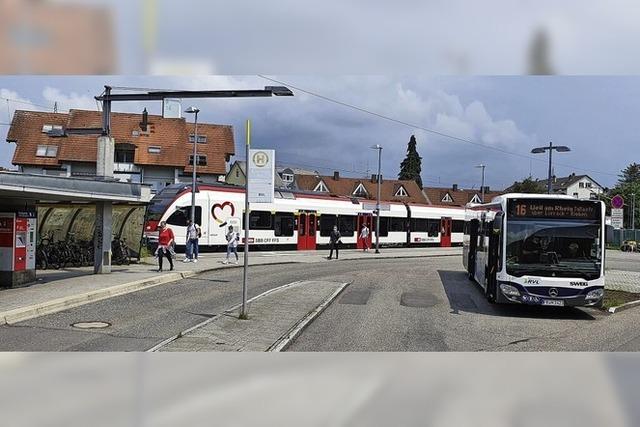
(285, 340)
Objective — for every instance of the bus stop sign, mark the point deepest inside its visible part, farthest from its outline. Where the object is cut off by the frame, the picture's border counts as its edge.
(617, 202)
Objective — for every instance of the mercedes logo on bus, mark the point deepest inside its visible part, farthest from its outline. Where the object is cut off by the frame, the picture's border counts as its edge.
(553, 292)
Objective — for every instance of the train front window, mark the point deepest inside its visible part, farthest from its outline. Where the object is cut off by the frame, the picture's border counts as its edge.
(554, 248)
(182, 214)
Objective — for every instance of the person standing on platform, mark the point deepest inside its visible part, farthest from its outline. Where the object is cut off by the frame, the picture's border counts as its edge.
(334, 241)
(364, 235)
(165, 242)
(232, 244)
(193, 234)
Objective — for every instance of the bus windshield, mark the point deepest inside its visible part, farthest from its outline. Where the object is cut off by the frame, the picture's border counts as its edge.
(554, 247)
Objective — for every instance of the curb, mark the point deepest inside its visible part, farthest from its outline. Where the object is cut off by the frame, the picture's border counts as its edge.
(216, 317)
(287, 339)
(59, 304)
(624, 306)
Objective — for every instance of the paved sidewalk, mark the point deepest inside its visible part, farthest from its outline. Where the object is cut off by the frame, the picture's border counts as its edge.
(272, 316)
(618, 280)
(57, 290)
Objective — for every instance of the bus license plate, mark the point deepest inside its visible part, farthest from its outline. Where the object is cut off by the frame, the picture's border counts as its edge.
(555, 302)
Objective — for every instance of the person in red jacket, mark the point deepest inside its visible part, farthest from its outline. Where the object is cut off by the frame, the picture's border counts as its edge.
(165, 241)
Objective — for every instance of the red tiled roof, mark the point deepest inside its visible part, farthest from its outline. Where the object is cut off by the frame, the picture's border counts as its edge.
(460, 197)
(346, 186)
(169, 134)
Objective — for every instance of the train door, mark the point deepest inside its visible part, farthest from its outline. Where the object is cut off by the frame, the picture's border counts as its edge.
(445, 232)
(367, 219)
(307, 231)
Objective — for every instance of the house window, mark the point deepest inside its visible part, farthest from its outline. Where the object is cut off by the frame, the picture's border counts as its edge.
(237, 173)
(47, 151)
(401, 192)
(51, 128)
(286, 177)
(475, 199)
(202, 160)
(587, 184)
(321, 188)
(154, 150)
(123, 156)
(593, 196)
(447, 198)
(202, 139)
(581, 185)
(360, 191)
(575, 195)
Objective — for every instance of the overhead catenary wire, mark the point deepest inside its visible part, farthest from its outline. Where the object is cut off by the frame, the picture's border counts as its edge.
(432, 131)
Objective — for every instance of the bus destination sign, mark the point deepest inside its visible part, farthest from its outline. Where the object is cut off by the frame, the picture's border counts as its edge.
(558, 209)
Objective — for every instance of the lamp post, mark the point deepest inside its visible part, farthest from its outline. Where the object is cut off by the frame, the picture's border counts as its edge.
(551, 147)
(195, 111)
(482, 185)
(379, 148)
(633, 211)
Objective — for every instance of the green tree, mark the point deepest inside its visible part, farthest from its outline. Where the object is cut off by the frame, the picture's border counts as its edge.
(528, 185)
(411, 166)
(629, 188)
(630, 174)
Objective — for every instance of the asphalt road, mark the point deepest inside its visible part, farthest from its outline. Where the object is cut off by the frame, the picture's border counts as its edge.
(431, 306)
(424, 304)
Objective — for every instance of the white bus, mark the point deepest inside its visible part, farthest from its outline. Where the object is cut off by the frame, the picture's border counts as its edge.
(537, 249)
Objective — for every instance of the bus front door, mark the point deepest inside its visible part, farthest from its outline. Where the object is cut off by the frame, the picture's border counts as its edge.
(445, 232)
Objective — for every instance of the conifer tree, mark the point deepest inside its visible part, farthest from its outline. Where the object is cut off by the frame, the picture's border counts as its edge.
(411, 166)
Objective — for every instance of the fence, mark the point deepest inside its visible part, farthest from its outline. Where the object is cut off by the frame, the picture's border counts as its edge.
(616, 237)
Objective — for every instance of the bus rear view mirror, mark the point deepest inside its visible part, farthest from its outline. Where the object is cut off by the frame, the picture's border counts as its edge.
(497, 223)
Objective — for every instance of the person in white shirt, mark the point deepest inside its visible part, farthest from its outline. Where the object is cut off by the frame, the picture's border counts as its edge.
(364, 235)
(193, 234)
(232, 244)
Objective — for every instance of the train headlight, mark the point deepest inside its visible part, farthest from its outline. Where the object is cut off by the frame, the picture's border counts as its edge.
(595, 294)
(509, 290)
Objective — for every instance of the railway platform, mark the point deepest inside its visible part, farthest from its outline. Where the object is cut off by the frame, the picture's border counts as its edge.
(57, 290)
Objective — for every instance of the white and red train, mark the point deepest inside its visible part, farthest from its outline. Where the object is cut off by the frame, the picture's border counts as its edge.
(300, 220)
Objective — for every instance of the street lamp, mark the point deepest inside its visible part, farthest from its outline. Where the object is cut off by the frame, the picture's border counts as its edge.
(379, 148)
(482, 185)
(193, 110)
(551, 147)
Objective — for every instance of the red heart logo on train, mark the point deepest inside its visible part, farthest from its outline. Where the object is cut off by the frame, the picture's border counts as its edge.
(222, 211)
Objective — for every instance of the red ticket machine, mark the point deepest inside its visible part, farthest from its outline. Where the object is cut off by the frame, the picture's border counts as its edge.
(17, 248)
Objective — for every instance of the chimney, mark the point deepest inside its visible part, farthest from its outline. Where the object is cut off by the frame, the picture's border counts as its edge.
(455, 187)
(336, 175)
(145, 120)
(486, 188)
(373, 178)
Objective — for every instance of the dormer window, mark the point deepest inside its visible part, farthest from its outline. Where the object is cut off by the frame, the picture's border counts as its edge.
(360, 191)
(287, 177)
(447, 198)
(475, 199)
(401, 192)
(51, 128)
(321, 188)
(47, 151)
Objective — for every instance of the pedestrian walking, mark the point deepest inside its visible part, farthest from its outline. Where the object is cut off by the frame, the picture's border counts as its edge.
(364, 235)
(334, 242)
(193, 234)
(232, 244)
(165, 245)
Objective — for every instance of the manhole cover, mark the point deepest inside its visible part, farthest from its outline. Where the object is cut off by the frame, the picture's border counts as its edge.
(91, 325)
(418, 299)
(356, 297)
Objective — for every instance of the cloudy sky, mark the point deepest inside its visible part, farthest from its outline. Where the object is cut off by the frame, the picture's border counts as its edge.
(459, 122)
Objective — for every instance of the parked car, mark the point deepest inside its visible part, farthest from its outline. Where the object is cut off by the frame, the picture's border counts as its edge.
(629, 246)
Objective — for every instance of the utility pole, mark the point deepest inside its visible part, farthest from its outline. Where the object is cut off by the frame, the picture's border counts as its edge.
(482, 185)
(379, 148)
(243, 310)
